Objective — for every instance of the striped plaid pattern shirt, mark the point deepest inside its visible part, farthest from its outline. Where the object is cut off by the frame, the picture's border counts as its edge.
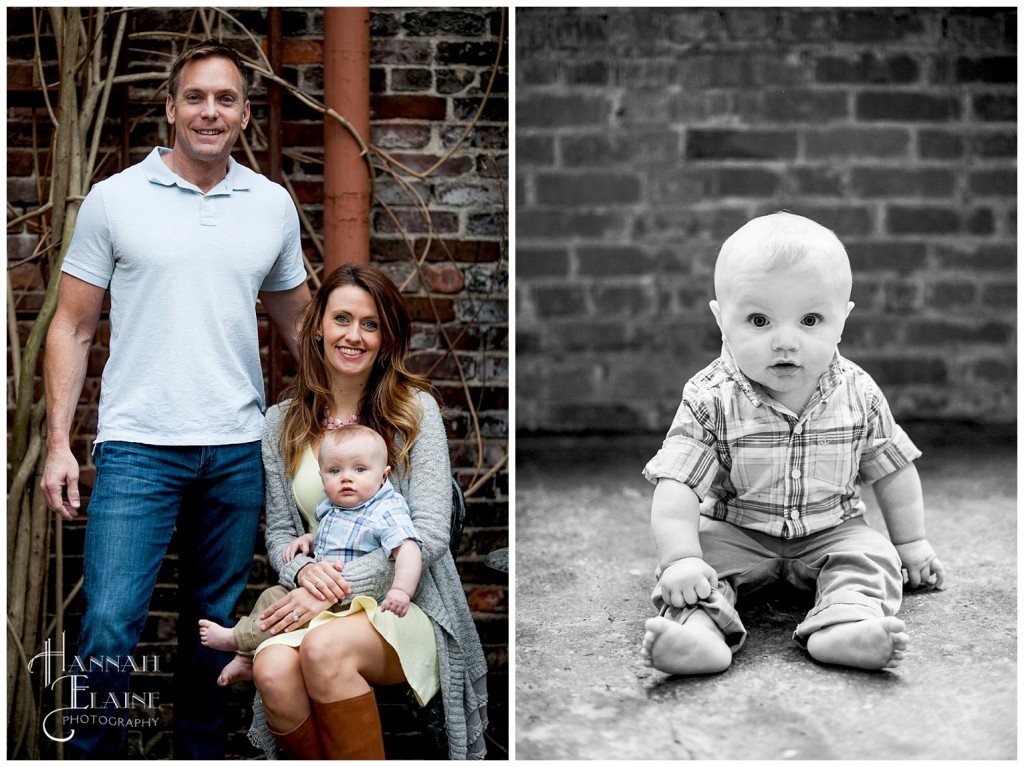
(756, 464)
(345, 534)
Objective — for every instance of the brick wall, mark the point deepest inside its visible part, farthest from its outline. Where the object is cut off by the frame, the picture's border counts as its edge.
(429, 71)
(645, 137)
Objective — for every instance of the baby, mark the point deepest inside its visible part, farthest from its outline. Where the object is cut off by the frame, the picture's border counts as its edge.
(758, 480)
(361, 513)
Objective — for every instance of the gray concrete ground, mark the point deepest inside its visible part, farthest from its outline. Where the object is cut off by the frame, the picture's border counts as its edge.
(584, 564)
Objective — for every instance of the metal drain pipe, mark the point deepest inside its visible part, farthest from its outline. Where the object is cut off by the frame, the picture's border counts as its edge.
(346, 181)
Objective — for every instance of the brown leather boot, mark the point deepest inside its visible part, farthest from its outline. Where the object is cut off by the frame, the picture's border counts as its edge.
(350, 729)
(303, 742)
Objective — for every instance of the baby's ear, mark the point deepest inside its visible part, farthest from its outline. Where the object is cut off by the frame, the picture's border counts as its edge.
(717, 311)
(387, 470)
(849, 307)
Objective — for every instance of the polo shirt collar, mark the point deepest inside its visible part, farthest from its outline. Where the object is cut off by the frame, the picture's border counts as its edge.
(827, 381)
(157, 172)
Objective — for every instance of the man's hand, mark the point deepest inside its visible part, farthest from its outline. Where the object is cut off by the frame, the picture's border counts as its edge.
(60, 471)
(920, 565)
(687, 581)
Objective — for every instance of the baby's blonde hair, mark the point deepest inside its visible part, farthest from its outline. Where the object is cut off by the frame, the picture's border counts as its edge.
(778, 241)
(336, 438)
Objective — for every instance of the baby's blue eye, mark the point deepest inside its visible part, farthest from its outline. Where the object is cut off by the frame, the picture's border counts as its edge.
(758, 320)
(811, 320)
(335, 470)
(360, 469)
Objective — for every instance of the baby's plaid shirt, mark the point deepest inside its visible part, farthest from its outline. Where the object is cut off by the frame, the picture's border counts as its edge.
(754, 463)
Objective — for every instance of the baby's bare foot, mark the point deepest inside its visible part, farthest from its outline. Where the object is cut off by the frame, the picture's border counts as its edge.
(690, 648)
(216, 636)
(875, 643)
(238, 670)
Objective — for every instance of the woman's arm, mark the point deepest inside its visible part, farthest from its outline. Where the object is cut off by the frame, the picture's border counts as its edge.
(283, 521)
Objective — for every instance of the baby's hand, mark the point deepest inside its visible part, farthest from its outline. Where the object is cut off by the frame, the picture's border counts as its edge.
(395, 601)
(920, 565)
(687, 581)
(303, 543)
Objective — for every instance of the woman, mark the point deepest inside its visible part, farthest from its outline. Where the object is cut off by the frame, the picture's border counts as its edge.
(315, 685)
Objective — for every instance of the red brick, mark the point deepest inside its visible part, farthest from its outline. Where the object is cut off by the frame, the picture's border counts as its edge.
(408, 107)
(453, 166)
(399, 136)
(443, 278)
(26, 276)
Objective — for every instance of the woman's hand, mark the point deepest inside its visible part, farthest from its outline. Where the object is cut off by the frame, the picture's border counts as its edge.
(290, 612)
(324, 581)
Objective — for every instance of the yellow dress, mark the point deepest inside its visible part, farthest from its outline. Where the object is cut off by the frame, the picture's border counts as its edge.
(412, 635)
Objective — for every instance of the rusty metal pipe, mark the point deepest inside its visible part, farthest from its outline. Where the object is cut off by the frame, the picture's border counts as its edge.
(347, 91)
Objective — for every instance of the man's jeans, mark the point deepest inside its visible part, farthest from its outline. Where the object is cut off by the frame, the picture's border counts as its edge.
(214, 496)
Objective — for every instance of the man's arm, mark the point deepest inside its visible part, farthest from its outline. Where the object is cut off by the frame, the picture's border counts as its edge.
(286, 308)
(67, 357)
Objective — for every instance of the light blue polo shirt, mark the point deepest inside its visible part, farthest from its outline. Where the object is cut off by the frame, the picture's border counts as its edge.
(184, 269)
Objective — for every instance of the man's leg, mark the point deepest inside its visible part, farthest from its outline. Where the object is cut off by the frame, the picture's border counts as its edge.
(130, 519)
(217, 531)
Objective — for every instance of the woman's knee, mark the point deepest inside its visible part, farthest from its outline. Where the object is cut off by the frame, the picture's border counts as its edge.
(276, 670)
(325, 648)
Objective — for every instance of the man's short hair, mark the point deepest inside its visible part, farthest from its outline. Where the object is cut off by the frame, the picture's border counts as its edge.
(205, 50)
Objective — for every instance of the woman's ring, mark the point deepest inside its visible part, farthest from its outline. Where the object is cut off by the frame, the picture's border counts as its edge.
(318, 582)
(295, 615)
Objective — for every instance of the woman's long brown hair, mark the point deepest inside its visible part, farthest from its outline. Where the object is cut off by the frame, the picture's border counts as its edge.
(389, 406)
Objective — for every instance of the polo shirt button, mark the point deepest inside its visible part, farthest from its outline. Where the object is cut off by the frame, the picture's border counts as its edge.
(796, 474)
(794, 513)
(798, 429)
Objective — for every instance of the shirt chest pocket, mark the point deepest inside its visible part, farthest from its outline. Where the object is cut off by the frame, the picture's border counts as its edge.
(832, 462)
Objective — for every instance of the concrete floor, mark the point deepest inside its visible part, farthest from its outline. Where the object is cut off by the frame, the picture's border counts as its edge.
(584, 564)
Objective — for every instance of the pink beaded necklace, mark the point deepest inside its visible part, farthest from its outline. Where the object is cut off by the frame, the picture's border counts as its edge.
(331, 424)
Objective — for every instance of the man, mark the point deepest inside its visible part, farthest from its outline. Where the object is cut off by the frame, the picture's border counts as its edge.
(185, 241)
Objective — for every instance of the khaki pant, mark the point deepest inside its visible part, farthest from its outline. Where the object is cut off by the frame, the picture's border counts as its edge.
(853, 569)
(247, 633)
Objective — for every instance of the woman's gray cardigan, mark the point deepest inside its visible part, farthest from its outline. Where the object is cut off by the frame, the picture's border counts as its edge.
(427, 489)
